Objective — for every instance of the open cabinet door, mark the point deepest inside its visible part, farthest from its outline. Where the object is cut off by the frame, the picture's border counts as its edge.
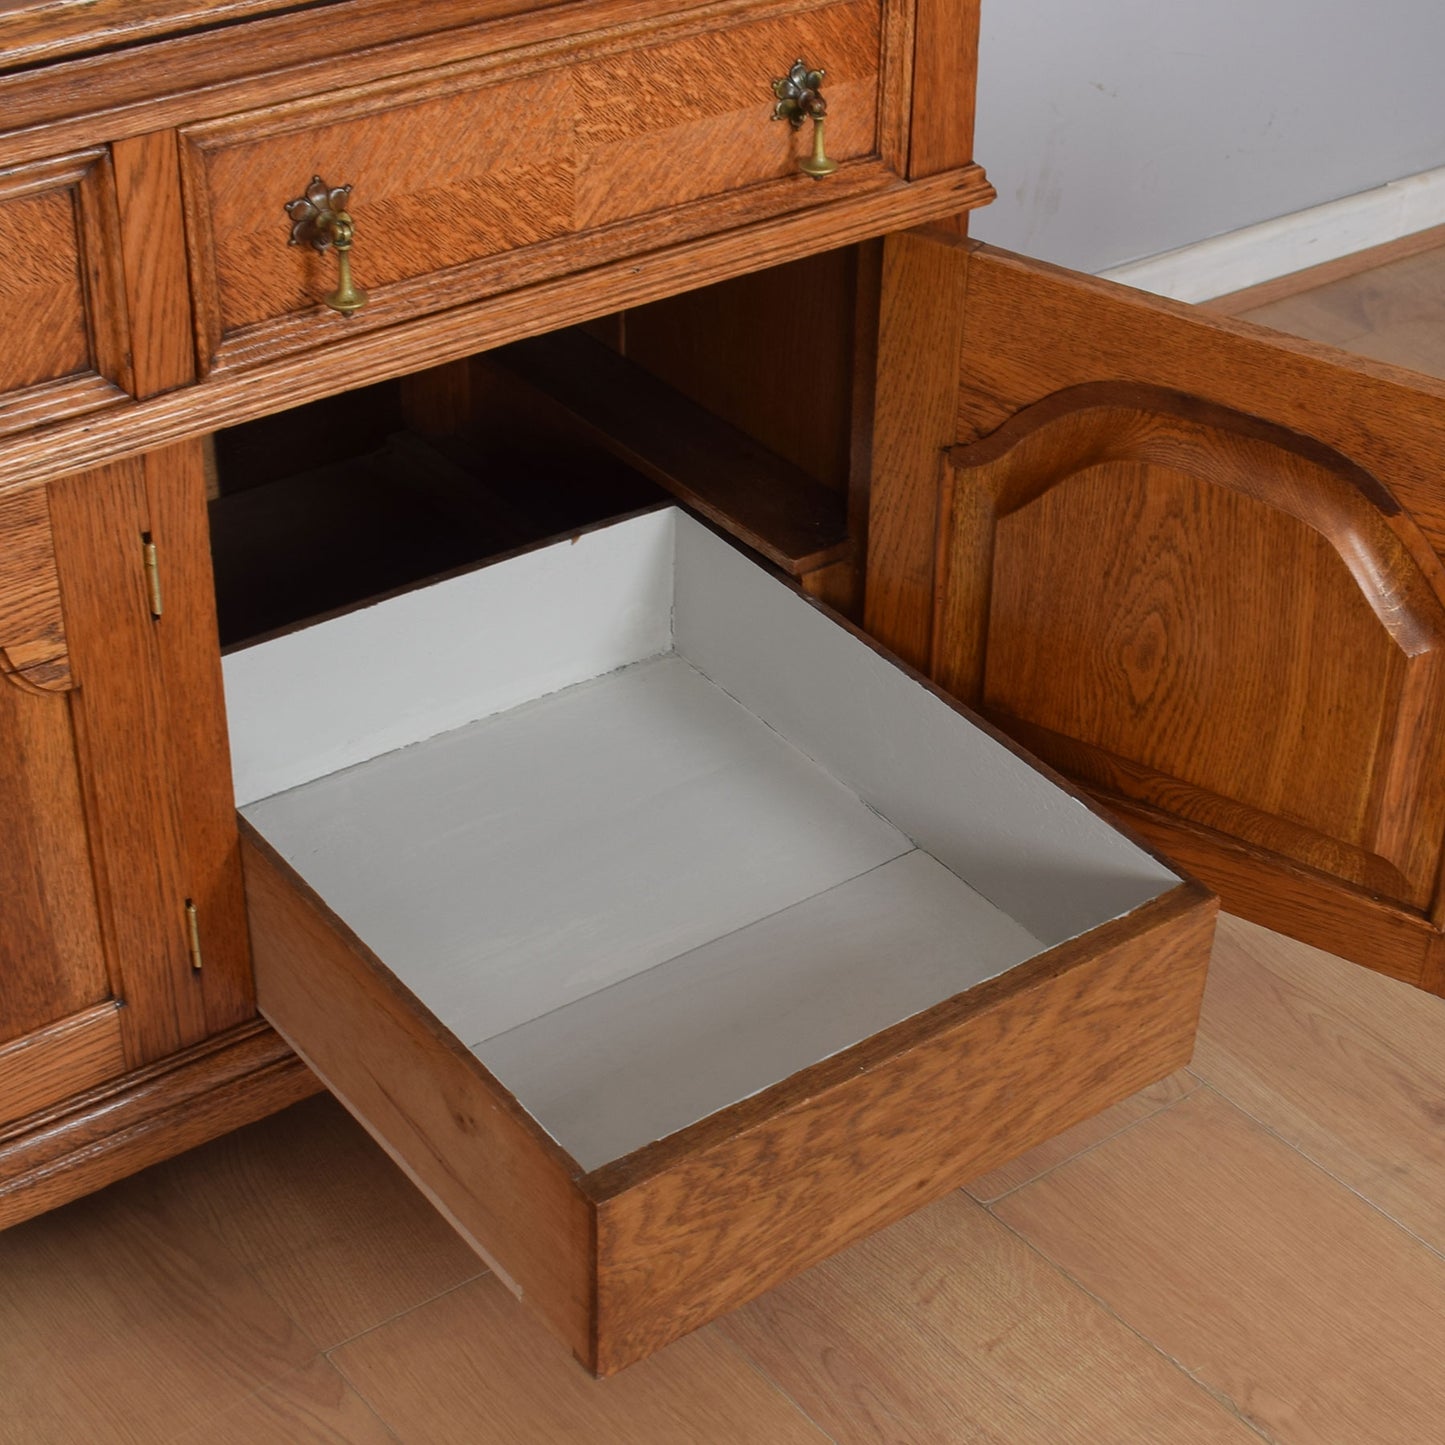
(1194, 565)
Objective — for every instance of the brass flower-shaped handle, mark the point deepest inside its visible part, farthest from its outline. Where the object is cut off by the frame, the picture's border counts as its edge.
(800, 98)
(319, 219)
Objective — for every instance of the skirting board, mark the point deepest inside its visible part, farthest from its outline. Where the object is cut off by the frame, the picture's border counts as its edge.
(1296, 242)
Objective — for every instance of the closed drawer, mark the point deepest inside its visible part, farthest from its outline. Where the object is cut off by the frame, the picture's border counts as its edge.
(668, 934)
(527, 163)
(62, 306)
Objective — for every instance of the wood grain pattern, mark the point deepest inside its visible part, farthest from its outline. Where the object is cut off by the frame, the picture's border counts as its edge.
(51, 959)
(152, 237)
(42, 299)
(1344, 1066)
(472, 1366)
(32, 624)
(354, 360)
(947, 1327)
(134, 90)
(59, 1061)
(115, 1129)
(1035, 330)
(1086, 1135)
(62, 308)
(591, 156)
(920, 337)
(53, 401)
(715, 135)
(1391, 311)
(775, 208)
(450, 1125)
(838, 585)
(1253, 299)
(1294, 1301)
(131, 800)
(1160, 576)
(770, 353)
(310, 1406)
(695, 1226)
(102, 271)
(777, 509)
(945, 74)
(327, 1225)
(145, 1326)
(36, 30)
(195, 750)
(1312, 906)
(1173, 600)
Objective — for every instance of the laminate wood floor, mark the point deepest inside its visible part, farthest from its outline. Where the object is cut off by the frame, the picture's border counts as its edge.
(1253, 1249)
(1391, 312)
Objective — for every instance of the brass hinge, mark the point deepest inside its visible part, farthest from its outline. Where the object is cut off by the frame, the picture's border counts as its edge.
(193, 934)
(153, 573)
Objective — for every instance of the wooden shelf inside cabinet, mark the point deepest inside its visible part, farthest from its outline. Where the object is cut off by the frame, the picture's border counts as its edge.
(770, 505)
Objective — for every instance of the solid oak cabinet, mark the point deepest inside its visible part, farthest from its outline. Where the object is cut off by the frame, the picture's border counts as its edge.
(1192, 566)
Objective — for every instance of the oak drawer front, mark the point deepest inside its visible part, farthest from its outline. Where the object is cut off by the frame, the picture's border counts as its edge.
(62, 309)
(668, 934)
(520, 166)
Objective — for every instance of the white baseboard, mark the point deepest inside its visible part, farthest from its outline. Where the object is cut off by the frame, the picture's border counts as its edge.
(1246, 257)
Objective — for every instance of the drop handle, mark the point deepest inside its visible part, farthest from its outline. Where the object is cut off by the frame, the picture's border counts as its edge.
(319, 219)
(800, 98)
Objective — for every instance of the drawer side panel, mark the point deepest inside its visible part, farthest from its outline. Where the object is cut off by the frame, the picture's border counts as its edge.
(444, 1120)
(700, 1224)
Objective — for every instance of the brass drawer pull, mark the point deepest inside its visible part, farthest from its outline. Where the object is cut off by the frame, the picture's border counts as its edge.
(799, 99)
(319, 220)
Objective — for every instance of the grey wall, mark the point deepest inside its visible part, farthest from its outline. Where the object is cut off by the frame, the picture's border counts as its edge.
(1114, 129)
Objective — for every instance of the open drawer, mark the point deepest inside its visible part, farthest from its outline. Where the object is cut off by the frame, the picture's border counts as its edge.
(670, 935)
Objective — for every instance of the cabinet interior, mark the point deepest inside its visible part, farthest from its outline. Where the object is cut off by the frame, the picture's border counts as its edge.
(609, 860)
(740, 399)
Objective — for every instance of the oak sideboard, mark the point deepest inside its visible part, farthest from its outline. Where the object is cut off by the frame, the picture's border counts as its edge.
(385, 382)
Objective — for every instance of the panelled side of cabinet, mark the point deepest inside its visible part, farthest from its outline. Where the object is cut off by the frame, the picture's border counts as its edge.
(1167, 565)
(59, 1025)
(116, 1048)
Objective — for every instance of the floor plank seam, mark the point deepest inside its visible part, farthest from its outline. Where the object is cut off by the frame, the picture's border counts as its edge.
(393, 1430)
(193, 1432)
(1087, 1149)
(1224, 1401)
(399, 1314)
(776, 1386)
(1324, 1169)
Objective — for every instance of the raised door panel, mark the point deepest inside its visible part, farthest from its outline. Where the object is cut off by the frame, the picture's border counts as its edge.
(1186, 612)
(1194, 566)
(62, 304)
(114, 797)
(59, 1022)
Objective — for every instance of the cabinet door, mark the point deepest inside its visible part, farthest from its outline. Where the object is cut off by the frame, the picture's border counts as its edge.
(1194, 565)
(113, 794)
